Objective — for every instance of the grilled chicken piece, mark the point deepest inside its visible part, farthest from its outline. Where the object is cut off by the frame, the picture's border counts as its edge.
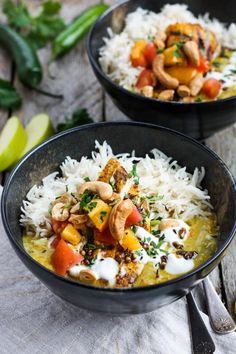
(114, 169)
(183, 32)
(108, 170)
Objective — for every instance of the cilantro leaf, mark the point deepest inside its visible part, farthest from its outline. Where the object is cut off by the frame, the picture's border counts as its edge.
(17, 15)
(40, 29)
(78, 118)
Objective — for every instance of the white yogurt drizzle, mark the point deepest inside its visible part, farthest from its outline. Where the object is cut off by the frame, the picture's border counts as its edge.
(175, 264)
(228, 75)
(178, 265)
(104, 268)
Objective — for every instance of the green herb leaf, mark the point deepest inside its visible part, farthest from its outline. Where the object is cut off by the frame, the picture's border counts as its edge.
(9, 97)
(160, 51)
(78, 118)
(102, 215)
(91, 206)
(91, 246)
(38, 30)
(17, 15)
(86, 179)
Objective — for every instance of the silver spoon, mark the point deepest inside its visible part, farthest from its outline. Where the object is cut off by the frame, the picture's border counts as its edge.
(220, 319)
(202, 342)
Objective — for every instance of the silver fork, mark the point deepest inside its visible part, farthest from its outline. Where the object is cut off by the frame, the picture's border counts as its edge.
(220, 319)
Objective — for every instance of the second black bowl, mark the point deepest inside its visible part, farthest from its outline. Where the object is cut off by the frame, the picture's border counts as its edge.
(123, 137)
(199, 120)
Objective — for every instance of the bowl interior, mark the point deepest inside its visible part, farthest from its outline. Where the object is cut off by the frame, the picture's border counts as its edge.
(123, 137)
(115, 19)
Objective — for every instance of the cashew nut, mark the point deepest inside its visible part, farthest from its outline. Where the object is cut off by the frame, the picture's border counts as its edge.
(165, 224)
(164, 78)
(78, 220)
(118, 217)
(187, 99)
(59, 212)
(104, 190)
(147, 91)
(183, 91)
(65, 198)
(87, 276)
(166, 95)
(196, 84)
(161, 36)
(191, 51)
(159, 43)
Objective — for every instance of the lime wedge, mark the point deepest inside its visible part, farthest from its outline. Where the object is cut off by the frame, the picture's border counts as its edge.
(37, 130)
(12, 142)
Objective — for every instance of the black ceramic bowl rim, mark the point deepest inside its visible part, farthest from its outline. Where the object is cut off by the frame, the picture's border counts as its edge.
(115, 290)
(127, 92)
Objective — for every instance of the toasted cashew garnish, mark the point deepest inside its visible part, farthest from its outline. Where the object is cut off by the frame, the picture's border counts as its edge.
(87, 276)
(78, 220)
(166, 95)
(65, 198)
(165, 224)
(161, 36)
(196, 84)
(59, 212)
(104, 190)
(183, 91)
(147, 91)
(187, 99)
(118, 217)
(191, 51)
(164, 78)
(159, 43)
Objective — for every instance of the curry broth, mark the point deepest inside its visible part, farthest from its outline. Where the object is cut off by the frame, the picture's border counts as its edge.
(203, 239)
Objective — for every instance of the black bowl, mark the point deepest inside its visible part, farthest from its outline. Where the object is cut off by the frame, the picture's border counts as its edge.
(199, 120)
(123, 137)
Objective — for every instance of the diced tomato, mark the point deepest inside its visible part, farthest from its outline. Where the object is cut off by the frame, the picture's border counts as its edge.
(134, 218)
(136, 56)
(104, 237)
(63, 258)
(55, 242)
(204, 66)
(79, 257)
(58, 226)
(145, 79)
(150, 51)
(211, 87)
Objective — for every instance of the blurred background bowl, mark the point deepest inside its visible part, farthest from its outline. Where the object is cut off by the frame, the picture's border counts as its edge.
(199, 120)
(123, 138)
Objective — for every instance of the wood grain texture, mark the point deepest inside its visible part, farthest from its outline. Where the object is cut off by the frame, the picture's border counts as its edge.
(224, 144)
(5, 73)
(73, 78)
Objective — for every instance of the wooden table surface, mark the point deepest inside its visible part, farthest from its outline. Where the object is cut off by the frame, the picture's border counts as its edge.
(75, 80)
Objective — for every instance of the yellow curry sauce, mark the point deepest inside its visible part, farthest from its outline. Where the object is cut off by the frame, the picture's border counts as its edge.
(110, 234)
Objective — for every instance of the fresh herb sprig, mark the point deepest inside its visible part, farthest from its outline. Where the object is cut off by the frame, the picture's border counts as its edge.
(40, 29)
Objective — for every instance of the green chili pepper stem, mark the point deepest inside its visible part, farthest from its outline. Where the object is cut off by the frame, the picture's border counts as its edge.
(49, 94)
(25, 57)
(68, 38)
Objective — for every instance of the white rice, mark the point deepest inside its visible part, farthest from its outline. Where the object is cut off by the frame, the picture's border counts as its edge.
(178, 189)
(143, 24)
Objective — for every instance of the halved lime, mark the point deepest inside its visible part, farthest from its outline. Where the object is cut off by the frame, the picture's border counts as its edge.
(12, 142)
(37, 130)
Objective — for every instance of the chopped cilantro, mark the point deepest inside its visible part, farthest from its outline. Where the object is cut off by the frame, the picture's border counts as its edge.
(67, 206)
(86, 179)
(91, 206)
(102, 215)
(91, 246)
(160, 51)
